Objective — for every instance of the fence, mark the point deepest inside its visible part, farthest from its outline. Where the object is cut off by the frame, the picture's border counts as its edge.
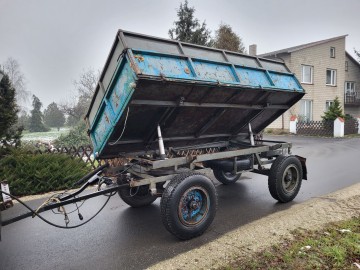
(351, 126)
(84, 153)
(46, 168)
(337, 128)
(315, 128)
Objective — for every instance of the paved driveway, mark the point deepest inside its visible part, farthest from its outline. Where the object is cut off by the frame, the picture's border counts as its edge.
(125, 238)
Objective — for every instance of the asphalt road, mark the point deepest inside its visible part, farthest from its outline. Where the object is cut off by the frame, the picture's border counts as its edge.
(125, 238)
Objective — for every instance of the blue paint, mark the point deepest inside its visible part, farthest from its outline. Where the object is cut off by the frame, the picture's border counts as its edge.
(103, 126)
(189, 214)
(253, 77)
(211, 71)
(157, 65)
(285, 81)
(162, 65)
(113, 105)
(176, 67)
(121, 89)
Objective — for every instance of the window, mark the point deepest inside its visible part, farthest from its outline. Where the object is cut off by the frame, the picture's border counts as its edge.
(332, 52)
(307, 74)
(331, 77)
(305, 110)
(328, 104)
(349, 88)
(346, 65)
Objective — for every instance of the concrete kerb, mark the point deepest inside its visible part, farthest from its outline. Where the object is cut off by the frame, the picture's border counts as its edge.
(257, 235)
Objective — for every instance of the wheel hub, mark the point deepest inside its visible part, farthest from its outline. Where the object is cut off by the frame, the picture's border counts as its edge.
(193, 206)
(290, 178)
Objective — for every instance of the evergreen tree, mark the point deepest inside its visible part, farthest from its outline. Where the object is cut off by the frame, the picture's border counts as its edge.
(36, 118)
(53, 117)
(9, 134)
(226, 39)
(335, 111)
(188, 29)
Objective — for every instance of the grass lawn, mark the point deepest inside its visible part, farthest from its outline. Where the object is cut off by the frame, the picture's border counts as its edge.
(44, 136)
(336, 246)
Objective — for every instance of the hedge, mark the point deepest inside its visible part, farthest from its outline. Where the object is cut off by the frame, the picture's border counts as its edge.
(29, 173)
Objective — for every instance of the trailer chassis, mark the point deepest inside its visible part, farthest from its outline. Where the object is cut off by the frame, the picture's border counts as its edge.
(182, 182)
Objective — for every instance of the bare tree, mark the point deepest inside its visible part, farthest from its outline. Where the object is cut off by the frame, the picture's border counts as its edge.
(11, 67)
(85, 88)
(86, 83)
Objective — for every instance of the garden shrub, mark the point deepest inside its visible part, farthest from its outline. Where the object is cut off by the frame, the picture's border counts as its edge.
(29, 173)
(76, 137)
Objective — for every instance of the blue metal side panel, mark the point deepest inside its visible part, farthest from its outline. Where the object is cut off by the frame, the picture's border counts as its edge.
(113, 105)
(210, 71)
(103, 126)
(285, 81)
(160, 65)
(253, 77)
(122, 89)
(170, 66)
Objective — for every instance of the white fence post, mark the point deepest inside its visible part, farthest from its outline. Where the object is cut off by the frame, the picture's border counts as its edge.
(339, 127)
(358, 120)
(293, 123)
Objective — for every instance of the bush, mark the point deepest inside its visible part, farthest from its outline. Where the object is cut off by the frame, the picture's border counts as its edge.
(77, 136)
(335, 111)
(29, 173)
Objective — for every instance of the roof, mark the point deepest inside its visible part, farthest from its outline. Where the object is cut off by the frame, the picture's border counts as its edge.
(352, 59)
(301, 47)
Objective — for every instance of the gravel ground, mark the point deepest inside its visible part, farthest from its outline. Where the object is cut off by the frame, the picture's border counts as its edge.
(269, 230)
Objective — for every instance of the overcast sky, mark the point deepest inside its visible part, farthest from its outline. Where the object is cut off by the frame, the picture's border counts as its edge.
(55, 40)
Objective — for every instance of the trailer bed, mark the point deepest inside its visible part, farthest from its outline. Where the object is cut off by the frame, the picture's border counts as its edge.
(197, 95)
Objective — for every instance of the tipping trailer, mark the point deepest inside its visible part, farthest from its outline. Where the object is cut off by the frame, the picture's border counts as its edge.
(177, 111)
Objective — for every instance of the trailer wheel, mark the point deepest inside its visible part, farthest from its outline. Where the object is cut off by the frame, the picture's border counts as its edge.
(285, 178)
(188, 205)
(226, 177)
(136, 197)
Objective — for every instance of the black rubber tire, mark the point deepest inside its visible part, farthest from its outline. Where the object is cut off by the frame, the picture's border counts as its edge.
(226, 178)
(136, 197)
(285, 178)
(174, 197)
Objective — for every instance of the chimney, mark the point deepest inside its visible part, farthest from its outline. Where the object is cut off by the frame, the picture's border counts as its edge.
(253, 50)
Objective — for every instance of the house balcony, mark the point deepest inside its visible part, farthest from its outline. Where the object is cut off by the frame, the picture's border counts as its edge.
(352, 99)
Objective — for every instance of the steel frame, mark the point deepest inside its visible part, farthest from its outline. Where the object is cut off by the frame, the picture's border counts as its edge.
(190, 162)
(187, 163)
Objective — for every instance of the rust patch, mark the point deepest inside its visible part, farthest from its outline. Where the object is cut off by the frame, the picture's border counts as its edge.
(139, 58)
(187, 71)
(107, 119)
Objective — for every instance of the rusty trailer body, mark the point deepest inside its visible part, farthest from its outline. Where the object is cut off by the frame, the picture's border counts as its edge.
(178, 112)
(196, 94)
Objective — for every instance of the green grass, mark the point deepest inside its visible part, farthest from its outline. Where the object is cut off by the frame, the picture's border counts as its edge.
(44, 136)
(328, 248)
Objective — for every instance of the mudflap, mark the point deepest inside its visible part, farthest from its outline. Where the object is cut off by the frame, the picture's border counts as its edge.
(303, 165)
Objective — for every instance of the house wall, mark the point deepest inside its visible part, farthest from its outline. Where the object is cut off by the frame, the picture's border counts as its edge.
(283, 121)
(353, 75)
(319, 57)
(353, 110)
